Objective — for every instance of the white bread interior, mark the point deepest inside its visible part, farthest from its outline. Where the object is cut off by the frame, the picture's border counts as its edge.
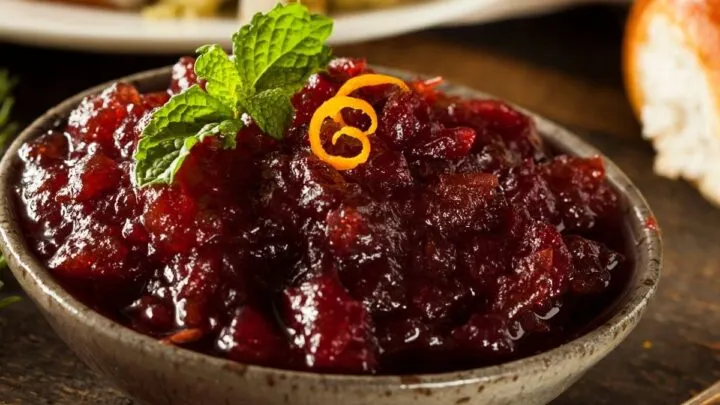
(672, 91)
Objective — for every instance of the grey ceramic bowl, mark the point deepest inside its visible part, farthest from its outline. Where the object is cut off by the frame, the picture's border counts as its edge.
(163, 375)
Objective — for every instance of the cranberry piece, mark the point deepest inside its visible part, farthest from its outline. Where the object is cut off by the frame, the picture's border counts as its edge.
(410, 334)
(134, 232)
(582, 191)
(194, 282)
(461, 202)
(483, 259)
(593, 265)
(169, 219)
(152, 315)
(319, 88)
(446, 143)
(491, 158)
(494, 122)
(527, 188)
(183, 75)
(403, 333)
(96, 119)
(345, 228)
(346, 68)
(485, 336)
(301, 185)
(39, 186)
(539, 274)
(252, 139)
(435, 258)
(92, 176)
(369, 244)
(216, 173)
(252, 338)
(405, 117)
(333, 330)
(427, 89)
(49, 147)
(155, 100)
(77, 257)
(386, 174)
(440, 300)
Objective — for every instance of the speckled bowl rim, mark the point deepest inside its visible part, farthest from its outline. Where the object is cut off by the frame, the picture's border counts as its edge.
(29, 269)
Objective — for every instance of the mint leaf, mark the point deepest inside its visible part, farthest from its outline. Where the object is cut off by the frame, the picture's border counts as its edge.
(272, 59)
(271, 110)
(281, 48)
(166, 157)
(277, 53)
(226, 130)
(223, 79)
(172, 131)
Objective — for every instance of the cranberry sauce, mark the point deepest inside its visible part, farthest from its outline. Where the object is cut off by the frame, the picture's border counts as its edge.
(462, 241)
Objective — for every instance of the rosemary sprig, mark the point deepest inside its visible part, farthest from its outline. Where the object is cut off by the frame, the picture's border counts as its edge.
(8, 130)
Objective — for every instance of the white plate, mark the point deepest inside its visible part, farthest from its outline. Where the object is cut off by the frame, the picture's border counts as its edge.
(74, 27)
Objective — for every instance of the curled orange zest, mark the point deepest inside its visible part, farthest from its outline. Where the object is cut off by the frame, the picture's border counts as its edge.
(333, 109)
(368, 80)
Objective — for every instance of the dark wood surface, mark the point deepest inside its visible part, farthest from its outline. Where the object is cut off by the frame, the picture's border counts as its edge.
(566, 67)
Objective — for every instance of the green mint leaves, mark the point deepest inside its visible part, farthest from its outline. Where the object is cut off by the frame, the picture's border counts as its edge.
(223, 79)
(272, 59)
(8, 129)
(281, 49)
(9, 299)
(172, 131)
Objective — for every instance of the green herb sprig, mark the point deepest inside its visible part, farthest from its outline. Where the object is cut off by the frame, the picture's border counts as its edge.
(8, 130)
(272, 58)
(7, 300)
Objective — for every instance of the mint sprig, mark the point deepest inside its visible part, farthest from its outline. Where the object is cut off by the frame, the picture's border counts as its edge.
(281, 49)
(172, 131)
(8, 300)
(8, 130)
(272, 59)
(223, 79)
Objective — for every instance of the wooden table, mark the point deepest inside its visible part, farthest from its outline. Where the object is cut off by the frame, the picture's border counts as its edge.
(565, 67)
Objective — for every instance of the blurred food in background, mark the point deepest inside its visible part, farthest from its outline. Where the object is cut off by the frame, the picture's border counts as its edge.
(672, 73)
(106, 3)
(208, 8)
(346, 5)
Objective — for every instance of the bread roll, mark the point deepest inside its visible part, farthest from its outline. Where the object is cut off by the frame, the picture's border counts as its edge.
(672, 74)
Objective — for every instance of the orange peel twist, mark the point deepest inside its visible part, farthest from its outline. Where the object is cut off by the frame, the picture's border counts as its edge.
(370, 79)
(333, 108)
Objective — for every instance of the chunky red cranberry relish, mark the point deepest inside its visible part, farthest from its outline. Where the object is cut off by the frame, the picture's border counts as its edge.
(461, 242)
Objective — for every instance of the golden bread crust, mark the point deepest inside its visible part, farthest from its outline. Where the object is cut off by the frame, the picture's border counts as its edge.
(698, 20)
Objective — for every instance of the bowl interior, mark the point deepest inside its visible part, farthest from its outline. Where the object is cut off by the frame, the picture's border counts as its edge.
(645, 247)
